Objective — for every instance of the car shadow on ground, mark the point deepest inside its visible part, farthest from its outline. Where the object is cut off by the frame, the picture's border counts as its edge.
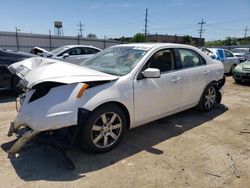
(44, 163)
(7, 96)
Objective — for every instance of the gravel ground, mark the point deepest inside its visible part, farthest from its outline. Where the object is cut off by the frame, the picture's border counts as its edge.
(189, 149)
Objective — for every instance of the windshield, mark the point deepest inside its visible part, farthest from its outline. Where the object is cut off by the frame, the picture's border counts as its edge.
(116, 60)
(237, 50)
(58, 50)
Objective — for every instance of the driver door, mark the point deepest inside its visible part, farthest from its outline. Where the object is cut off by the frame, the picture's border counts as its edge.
(156, 97)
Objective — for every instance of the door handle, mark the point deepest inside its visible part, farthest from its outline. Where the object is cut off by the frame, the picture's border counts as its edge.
(206, 72)
(175, 79)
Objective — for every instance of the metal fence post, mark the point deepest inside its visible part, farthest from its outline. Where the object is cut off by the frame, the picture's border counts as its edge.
(104, 42)
(17, 42)
(50, 45)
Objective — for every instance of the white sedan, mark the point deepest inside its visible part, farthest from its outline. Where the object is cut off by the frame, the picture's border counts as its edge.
(69, 53)
(120, 88)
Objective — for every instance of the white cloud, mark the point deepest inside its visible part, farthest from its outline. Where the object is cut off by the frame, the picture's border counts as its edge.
(96, 6)
(178, 2)
(124, 5)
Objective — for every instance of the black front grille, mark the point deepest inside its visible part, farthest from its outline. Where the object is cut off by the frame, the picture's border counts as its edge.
(42, 89)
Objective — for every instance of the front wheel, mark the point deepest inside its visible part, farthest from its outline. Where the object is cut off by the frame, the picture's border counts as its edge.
(208, 98)
(104, 129)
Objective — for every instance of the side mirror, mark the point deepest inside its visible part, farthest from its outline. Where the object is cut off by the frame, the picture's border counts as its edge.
(65, 55)
(151, 73)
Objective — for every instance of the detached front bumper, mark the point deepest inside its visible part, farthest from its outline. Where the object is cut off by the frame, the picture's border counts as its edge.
(26, 136)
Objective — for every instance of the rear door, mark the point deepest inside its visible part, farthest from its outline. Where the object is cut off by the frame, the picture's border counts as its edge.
(154, 97)
(195, 75)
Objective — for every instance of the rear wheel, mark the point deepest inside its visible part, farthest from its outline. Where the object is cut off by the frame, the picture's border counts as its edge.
(208, 98)
(104, 129)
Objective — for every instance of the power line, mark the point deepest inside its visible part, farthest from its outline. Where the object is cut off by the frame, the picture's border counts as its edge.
(80, 25)
(245, 30)
(146, 23)
(201, 30)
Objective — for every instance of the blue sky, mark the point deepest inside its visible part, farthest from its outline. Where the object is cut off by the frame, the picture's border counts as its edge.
(116, 18)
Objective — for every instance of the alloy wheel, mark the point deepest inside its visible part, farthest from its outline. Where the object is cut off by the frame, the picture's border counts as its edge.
(210, 98)
(106, 130)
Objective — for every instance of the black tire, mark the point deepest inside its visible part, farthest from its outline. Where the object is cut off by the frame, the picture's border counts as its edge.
(98, 136)
(208, 98)
(15, 89)
(232, 68)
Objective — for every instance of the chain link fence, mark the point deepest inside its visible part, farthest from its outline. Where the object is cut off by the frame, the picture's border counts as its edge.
(26, 41)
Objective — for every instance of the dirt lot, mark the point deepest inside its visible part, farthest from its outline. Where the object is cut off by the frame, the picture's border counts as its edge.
(189, 149)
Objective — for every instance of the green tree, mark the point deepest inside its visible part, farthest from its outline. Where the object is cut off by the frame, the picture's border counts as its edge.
(92, 36)
(187, 39)
(138, 37)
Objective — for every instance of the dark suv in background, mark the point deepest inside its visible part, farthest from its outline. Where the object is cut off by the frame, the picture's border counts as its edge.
(7, 57)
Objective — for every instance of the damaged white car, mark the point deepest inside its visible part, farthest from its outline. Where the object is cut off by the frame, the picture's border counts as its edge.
(120, 88)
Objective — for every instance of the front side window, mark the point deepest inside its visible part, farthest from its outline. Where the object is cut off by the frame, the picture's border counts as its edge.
(189, 58)
(162, 60)
(59, 50)
(74, 51)
(116, 60)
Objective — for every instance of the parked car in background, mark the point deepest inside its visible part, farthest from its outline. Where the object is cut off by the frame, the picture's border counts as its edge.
(69, 53)
(241, 53)
(241, 72)
(120, 88)
(229, 60)
(7, 57)
(247, 55)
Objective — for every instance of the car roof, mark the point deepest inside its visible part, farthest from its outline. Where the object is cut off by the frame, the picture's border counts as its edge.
(72, 46)
(215, 48)
(152, 45)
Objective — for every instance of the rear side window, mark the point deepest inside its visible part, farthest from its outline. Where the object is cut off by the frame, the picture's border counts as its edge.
(228, 54)
(190, 58)
(73, 51)
(89, 51)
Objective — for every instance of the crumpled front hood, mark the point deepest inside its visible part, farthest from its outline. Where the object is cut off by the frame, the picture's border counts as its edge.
(36, 70)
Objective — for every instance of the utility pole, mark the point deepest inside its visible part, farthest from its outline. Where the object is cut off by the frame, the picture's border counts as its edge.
(17, 41)
(201, 30)
(245, 30)
(80, 25)
(146, 24)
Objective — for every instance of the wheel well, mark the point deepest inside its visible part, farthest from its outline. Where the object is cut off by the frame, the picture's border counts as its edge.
(212, 82)
(13, 78)
(231, 70)
(123, 108)
(218, 99)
